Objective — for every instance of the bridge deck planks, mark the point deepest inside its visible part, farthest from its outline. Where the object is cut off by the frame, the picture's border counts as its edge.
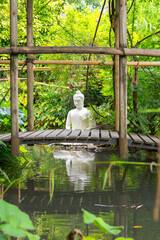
(155, 139)
(43, 135)
(94, 135)
(63, 135)
(86, 136)
(4, 136)
(33, 135)
(74, 134)
(7, 137)
(136, 138)
(54, 133)
(114, 135)
(105, 135)
(22, 135)
(146, 139)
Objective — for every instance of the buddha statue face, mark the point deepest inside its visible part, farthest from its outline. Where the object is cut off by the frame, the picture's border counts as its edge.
(78, 102)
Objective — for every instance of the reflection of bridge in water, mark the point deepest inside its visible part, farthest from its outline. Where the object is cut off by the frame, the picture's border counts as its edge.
(36, 199)
(87, 136)
(127, 207)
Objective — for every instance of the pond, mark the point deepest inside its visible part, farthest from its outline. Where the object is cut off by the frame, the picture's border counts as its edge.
(129, 199)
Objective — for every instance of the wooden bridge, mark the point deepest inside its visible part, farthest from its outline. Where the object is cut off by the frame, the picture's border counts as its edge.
(103, 137)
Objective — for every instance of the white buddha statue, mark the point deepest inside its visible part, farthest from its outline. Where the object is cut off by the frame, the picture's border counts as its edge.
(80, 117)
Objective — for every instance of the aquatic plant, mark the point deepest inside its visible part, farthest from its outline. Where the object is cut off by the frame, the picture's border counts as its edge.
(89, 218)
(116, 161)
(14, 222)
(13, 169)
(51, 185)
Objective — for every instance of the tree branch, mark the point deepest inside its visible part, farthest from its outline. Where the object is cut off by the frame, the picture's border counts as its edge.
(110, 15)
(146, 38)
(43, 7)
(130, 7)
(130, 39)
(5, 95)
(129, 76)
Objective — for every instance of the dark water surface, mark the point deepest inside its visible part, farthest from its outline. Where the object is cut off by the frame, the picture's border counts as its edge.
(130, 201)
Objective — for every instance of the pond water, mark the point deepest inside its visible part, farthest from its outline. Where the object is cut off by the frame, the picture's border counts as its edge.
(131, 200)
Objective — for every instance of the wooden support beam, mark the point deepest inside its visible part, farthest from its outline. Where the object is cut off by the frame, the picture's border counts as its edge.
(123, 81)
(30, 73)
(82, 50)
(61, 62)
(117, 66)
(14, 80)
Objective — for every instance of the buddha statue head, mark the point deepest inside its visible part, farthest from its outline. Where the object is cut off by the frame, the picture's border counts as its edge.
(78, 100)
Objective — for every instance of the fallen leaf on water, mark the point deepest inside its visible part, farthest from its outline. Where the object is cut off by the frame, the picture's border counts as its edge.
(151, 166)
(137, 226)
(139, 206)
(133, 206)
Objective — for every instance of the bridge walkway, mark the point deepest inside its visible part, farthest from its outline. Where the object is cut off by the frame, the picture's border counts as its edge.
(99, 137)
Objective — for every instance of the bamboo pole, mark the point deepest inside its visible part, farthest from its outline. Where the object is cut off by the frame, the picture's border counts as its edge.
(14, 80)
(123, 81)
(30, 74)
(82, 50)
(117, 66)
(63, 62)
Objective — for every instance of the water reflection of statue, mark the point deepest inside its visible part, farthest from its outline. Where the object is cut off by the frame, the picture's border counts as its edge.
(78, 165)
(80, 117)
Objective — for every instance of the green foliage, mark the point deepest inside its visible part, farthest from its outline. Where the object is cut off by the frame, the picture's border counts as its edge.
(95, 94)
(22, 97)
(14, 222)
(2, 144)
(12, 168)
(51, 108)
(123, 238)
(119, 238)
(79, 4)
(146, 119)
(99, 222)
(143, 22)
(107, 114)
(88, 238)
(5, 116)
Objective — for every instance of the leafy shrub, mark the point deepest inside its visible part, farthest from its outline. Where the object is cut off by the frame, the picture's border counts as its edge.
(5, 116)
(51, 108)
(14, 222)
(13, 168)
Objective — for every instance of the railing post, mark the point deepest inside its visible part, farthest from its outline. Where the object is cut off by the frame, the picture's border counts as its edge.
(123, 143)
(14, 79)
(117, 66)
(30, 73)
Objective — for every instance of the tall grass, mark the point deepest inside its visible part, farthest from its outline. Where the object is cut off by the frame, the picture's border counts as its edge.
(12, 169)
